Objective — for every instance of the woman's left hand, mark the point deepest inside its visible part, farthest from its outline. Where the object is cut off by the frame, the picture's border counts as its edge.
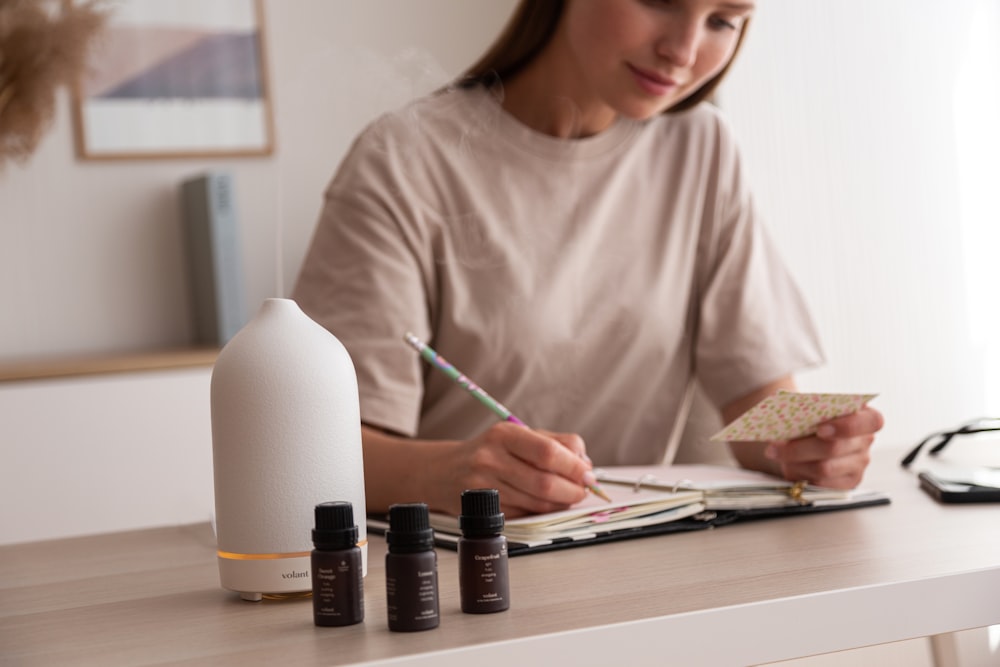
(836, 456)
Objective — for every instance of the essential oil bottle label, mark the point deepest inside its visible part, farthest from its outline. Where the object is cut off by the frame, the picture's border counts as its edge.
(483, 575)
(411, 588)
(338, 594)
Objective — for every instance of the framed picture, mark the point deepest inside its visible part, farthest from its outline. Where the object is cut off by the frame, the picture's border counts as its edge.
(185, 78)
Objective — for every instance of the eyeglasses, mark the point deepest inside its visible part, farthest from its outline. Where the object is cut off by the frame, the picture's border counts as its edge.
(941, 439)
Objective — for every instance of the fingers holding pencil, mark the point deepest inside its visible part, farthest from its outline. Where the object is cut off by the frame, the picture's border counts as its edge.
(573, 442)
(534, 471)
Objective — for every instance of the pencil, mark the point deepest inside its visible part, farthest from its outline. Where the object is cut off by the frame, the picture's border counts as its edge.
(498, 408)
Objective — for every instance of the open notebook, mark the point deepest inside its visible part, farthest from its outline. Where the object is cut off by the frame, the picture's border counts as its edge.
(653, 500)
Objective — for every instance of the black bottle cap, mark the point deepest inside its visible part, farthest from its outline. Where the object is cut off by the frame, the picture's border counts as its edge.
(409, 528)
(335, 527)
(481, 515)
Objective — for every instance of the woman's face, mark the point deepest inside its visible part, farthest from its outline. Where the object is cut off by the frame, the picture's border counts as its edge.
(640, 57)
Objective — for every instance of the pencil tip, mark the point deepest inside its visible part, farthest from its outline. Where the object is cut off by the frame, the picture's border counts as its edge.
(599, 492)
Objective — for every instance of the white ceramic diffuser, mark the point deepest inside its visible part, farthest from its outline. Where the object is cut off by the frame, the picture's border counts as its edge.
(286, 436)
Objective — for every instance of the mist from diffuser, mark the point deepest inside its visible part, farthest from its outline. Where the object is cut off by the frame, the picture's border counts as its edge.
(286, 436)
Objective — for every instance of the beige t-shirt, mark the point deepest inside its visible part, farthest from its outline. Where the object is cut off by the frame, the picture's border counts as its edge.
(583, 283)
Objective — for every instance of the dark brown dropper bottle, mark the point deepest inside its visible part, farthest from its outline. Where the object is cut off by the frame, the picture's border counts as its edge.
(411, 583)
(484, 582)
(338, 591)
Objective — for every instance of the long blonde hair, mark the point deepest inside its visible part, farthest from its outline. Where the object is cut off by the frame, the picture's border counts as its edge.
(530, 29)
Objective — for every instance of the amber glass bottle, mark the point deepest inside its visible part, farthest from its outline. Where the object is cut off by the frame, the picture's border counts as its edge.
(411, 582)
(483, 578)
(338, 591)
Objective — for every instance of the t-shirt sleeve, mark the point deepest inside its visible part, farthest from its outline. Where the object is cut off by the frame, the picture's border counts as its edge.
(365, 280)
(754, 326)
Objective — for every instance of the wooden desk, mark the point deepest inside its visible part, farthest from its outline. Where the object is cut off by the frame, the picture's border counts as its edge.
(737, 595)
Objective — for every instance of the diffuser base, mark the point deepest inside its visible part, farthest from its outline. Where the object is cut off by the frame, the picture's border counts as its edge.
(253, 577)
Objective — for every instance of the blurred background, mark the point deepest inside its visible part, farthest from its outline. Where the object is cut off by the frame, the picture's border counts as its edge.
(868, 129)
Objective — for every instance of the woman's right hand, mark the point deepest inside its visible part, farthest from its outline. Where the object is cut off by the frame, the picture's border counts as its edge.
(535, 471)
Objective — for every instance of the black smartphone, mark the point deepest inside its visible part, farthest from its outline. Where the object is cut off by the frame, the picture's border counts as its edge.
(950, 491)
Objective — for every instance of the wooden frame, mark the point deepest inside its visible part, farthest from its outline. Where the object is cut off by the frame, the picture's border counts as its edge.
(179, 79)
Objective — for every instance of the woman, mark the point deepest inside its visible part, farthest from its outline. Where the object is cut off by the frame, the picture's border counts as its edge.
(571, 228)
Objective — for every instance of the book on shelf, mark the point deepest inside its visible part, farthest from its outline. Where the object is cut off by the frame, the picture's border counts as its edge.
(655, 500)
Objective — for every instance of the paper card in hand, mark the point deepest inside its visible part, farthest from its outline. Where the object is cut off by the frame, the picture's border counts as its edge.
(788, 415)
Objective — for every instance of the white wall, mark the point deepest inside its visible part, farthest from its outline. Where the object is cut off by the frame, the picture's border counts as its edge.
(847, 113)
(90, 252)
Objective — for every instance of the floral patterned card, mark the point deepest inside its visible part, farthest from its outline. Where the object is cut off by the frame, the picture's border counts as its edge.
(788, 415)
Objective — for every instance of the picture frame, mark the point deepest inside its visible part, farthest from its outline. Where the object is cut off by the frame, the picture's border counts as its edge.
(179, 79)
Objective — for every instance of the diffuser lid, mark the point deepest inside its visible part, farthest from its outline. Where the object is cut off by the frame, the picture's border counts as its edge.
(481, 515)
(335, 527)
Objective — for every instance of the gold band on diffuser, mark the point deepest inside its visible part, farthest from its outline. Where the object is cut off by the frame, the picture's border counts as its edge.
(228, 555)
